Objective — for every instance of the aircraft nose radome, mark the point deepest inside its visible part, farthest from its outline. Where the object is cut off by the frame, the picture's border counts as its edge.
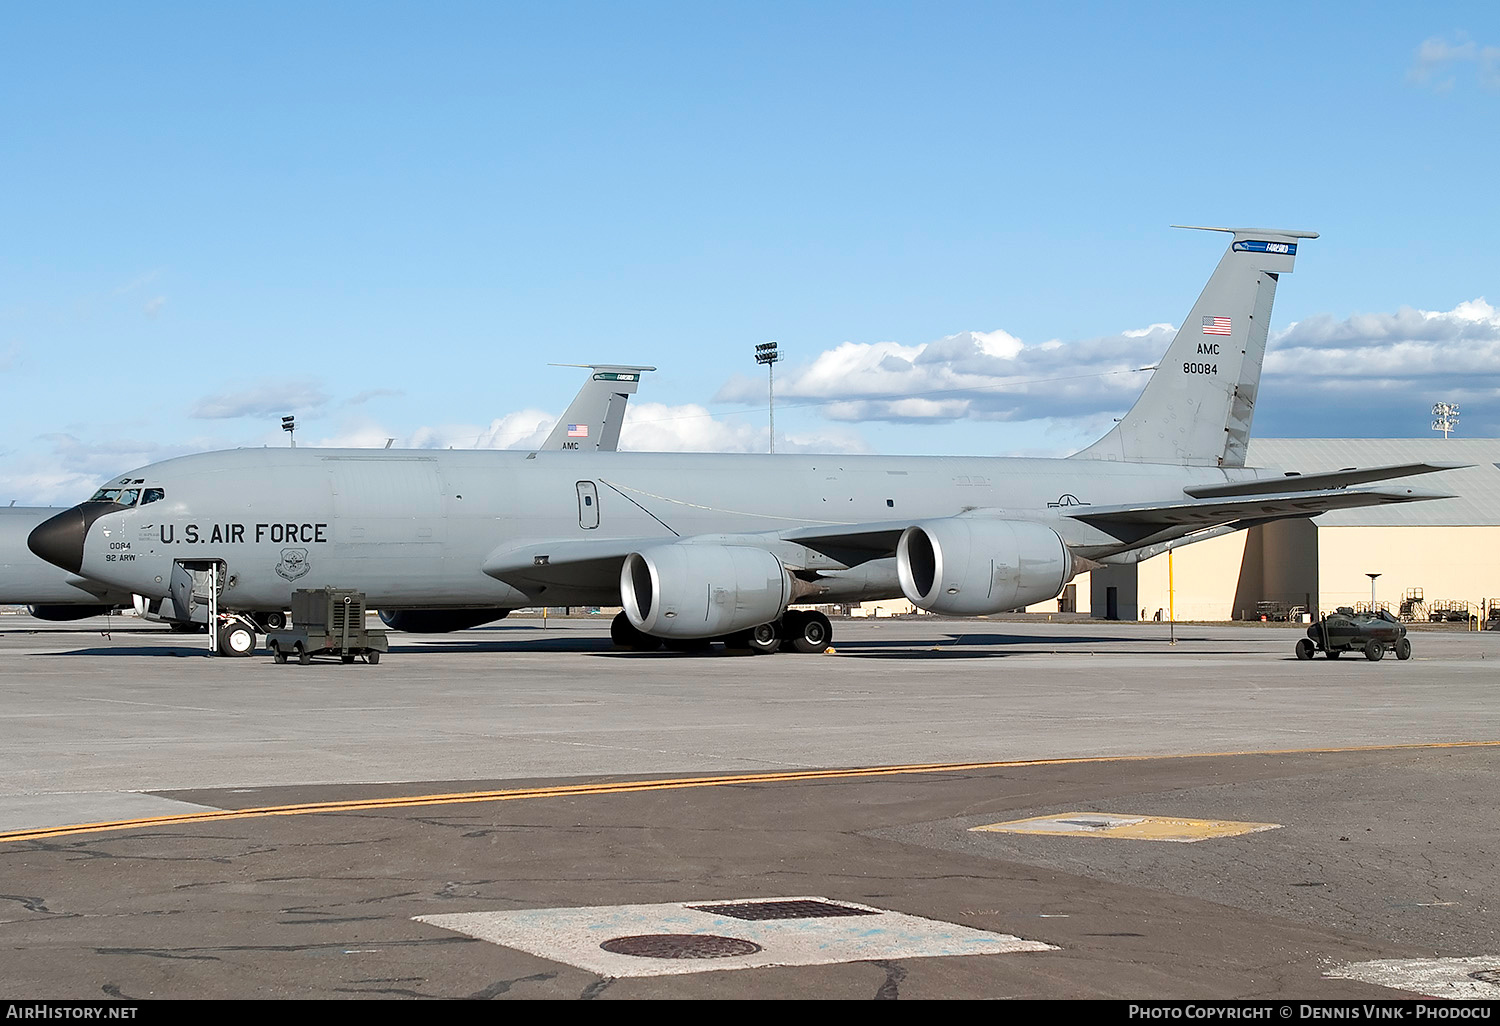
(60, 540)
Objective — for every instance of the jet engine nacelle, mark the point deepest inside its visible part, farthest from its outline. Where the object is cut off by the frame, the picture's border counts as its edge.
(702, 591)
(438, 621)
(968, 566)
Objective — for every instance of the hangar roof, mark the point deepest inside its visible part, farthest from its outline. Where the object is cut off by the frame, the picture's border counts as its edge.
(1477, 488)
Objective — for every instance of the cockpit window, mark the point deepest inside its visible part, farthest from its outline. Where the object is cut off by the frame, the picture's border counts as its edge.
(128, 496)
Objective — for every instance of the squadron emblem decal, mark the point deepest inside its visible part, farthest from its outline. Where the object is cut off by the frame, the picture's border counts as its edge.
(293, 563)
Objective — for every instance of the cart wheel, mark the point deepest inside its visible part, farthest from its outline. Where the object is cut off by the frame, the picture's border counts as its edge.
(277, 655)
(346, 658)
(303, 655)
(1334, 653)
(373, 657)
(1304, 649)
(1374, 651)
(1403, 648)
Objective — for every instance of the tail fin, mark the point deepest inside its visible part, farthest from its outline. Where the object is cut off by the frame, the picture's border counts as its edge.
(592, 421)
(1197, 408)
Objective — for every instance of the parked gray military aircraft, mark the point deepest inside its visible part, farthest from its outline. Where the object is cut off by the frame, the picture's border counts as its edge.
(29, 581)
(700, 546)
(592, 421)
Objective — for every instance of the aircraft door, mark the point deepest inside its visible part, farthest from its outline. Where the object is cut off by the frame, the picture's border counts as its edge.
(195, 586)
(588, 505)
(181, 587)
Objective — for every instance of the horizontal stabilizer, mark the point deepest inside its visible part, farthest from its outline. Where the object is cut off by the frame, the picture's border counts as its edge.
(1318, 482)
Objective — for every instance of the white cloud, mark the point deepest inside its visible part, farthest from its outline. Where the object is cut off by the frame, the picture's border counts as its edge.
(657, 427)
(1462, 343)
(1319, 376)
(526, 429)
(1438, 62)
(372, 393)
(153, 306)
(262, 399)
(67, 470)
(970, 375)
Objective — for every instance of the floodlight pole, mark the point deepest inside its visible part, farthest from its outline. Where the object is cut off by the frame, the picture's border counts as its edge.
(768, 354)
(1372, 592)
(289, 425)
(1446, 415)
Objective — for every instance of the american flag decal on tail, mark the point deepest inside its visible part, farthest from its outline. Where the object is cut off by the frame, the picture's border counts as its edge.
(1216, 325)
(578, 430)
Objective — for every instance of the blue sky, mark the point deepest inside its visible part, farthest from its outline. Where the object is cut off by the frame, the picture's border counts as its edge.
(389, 218)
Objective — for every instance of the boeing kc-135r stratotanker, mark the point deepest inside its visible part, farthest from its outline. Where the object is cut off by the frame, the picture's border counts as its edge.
(701, 546)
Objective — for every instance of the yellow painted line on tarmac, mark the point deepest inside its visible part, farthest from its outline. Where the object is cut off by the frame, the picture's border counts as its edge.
(633, 786)
(1127, 827)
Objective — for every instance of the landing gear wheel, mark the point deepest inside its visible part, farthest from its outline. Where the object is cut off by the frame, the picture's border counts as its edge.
(764, 638)
(807, 632)
(277, 655)
(303, 655)
(236, 639)
(626, 635)
(1403, 648)
(373, 657)
(274, 620)
(1374, 651)
(1304, 649)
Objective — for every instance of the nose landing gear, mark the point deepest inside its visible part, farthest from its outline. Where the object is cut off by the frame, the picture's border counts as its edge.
(236, 637)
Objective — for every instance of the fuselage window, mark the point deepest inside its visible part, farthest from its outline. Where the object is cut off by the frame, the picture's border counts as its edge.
(128, 496)
(106, 495)
(153, 495)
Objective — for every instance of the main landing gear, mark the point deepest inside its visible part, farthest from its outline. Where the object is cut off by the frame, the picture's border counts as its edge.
(798, 630)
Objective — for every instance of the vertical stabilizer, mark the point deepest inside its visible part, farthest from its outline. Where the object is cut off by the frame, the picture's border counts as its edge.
(1197, 408)
(592, 422)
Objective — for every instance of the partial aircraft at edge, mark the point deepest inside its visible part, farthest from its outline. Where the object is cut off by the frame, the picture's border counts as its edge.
(699, 546)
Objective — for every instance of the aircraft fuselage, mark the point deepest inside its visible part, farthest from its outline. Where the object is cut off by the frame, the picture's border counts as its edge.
(414, 527)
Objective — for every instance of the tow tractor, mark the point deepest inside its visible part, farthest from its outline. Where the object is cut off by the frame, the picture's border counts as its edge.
(1344, 630)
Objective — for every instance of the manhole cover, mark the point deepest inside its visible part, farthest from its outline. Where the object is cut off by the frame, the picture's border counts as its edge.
(680, 945)
(760, 910)
(1486, 975)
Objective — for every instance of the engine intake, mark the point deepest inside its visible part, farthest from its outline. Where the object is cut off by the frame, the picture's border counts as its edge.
(968, 566)
(702, 591)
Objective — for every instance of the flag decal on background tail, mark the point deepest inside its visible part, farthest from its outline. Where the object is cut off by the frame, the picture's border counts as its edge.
(1216, 325)
(582, 430)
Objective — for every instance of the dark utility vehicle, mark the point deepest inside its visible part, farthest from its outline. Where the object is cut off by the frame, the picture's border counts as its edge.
(1345, 630)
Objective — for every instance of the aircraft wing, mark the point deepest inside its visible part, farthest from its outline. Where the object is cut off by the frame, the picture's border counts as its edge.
(590, 562)
(1131, 522)
(1318, 482)
(580, 563)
